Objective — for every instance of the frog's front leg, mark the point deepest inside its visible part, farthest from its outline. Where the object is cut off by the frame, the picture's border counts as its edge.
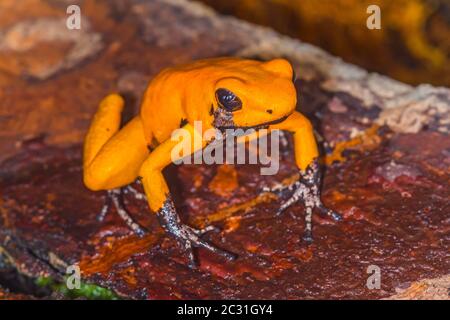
(160, 200)
(307, 188)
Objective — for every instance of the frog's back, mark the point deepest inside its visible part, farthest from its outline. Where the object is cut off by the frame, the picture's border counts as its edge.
(161, 109)
(181, 93)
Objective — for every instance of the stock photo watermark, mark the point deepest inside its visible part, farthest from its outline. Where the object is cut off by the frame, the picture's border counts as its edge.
(73, 280)
(373, 21)
(374, 280)
(73, 21)
(233, 141)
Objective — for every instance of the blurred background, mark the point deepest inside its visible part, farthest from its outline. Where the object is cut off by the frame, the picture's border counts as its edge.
(413, 44)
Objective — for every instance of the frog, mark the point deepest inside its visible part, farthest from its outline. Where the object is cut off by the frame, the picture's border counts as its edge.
(220, 93)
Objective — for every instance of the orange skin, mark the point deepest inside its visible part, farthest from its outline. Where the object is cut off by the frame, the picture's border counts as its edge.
(115, 157)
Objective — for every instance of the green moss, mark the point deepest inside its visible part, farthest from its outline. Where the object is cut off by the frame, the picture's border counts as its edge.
(89, 291)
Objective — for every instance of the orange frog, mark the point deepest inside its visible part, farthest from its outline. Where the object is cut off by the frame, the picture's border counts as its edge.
(221, 93)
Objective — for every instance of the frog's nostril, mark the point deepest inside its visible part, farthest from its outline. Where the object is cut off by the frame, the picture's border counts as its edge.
(269, 111)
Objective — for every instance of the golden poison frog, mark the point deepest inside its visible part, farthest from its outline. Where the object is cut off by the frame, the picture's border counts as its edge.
(220, 93)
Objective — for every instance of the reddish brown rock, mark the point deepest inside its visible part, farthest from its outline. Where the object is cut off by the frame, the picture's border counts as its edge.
(390, 183)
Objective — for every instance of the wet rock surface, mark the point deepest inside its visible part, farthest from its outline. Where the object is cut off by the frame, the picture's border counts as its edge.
(390, 183)
(398, 224)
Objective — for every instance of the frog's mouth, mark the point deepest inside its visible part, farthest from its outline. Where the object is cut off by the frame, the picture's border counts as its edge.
(263, 125)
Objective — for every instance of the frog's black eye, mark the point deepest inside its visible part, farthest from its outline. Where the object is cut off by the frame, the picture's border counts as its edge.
(228, 100)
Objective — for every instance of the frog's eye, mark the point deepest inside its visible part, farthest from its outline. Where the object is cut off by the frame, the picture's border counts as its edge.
(228, 100)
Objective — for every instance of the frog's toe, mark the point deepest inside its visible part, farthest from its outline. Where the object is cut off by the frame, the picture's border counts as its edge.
(190, 238)
(140, 232)
(204, 244)
(115, 197)
(202, 231)
(307, 236)
(106, 207)
(328, 212)
(281, 188)
(336, 216)
(296, 196)
(192, 264)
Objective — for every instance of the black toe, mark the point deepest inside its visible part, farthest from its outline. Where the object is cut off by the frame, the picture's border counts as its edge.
(307, 237)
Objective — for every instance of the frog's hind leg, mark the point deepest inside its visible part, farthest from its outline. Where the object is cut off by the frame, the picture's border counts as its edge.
(112, 157)
(104, 126)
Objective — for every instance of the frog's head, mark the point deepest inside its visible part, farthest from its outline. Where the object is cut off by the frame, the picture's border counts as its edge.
(254, 94)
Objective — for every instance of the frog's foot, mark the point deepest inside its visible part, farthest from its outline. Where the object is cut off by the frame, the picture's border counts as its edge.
(281, 188)
(186, 235)
(307, 190)
(114, 197)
